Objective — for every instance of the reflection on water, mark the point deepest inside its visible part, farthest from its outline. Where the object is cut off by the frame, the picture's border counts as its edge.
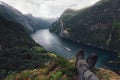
(69, 48)
(51, 42)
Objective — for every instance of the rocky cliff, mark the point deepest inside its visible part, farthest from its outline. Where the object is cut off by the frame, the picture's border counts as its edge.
(98, 25)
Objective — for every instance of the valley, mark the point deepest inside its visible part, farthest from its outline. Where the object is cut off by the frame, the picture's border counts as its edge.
(35, 48)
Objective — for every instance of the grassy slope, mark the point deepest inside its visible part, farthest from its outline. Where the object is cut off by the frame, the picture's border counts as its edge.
(59, 69)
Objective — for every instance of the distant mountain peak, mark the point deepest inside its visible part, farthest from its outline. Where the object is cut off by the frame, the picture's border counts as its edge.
(30, 22)
(2, 3)
(29, 14)
(10, 8)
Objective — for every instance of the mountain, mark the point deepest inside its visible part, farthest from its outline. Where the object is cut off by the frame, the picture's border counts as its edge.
(98, 25)
(22, 59)
(28, 21)
(17, 50)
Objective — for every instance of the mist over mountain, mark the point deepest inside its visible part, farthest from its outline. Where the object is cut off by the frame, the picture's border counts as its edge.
(29, 22)
(48, 8)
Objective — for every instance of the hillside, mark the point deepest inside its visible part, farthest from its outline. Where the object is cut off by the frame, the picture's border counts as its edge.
(98, 25)
(59, 69)
(30, 22)
(17, 50)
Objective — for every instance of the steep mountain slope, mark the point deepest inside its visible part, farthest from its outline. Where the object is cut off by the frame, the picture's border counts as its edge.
(30, 23)
(17, 50)
(98, 25)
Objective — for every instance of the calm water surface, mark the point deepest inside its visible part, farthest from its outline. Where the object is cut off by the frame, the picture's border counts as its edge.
(68, 49)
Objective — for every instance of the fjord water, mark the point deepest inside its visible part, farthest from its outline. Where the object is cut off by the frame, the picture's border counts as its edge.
(68, 49)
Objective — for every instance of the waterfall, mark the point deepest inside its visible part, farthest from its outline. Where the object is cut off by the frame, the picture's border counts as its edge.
(114, 21)
(109, 39)
(61, 23)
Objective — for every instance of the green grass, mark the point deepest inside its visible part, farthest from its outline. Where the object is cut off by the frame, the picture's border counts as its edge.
(64, 70)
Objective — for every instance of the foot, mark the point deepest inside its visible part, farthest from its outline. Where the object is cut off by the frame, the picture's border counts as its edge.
(80, 55)
(91, 60)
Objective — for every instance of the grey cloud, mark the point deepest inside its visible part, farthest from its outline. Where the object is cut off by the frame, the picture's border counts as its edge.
(48, 8)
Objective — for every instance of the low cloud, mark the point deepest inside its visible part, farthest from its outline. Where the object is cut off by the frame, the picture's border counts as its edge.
(48, 8)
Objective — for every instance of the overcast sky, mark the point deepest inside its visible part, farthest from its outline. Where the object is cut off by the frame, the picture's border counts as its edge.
(48, 8)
